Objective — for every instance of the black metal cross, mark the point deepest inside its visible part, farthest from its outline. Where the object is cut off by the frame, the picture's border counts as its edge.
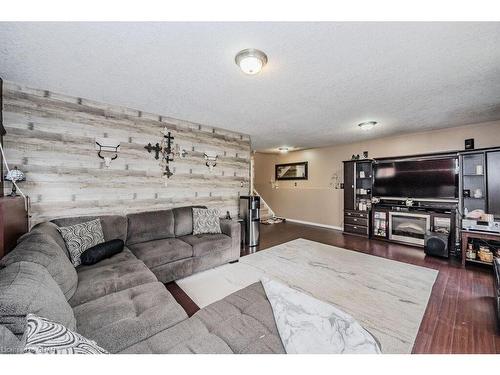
(156, 149)
(168, 151)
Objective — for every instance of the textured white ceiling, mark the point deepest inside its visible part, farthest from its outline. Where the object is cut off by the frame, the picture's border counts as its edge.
(321, 80)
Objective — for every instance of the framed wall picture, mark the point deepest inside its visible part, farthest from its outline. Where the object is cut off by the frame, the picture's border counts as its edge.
(291, 171)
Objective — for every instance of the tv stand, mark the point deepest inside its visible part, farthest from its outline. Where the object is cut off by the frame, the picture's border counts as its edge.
(393, 220)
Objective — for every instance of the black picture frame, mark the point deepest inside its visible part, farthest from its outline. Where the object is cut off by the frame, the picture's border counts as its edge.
(278, 166)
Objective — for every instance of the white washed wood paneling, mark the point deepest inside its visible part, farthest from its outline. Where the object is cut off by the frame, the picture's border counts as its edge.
(51, 138)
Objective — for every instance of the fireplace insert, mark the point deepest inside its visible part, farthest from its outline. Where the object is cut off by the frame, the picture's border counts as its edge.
(408, 227)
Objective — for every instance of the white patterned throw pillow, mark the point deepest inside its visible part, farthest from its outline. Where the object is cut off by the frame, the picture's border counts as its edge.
(43, 336)
(206, 220)
(80, 237)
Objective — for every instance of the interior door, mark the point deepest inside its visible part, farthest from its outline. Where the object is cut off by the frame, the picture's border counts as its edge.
(349, 185)
(493, 182)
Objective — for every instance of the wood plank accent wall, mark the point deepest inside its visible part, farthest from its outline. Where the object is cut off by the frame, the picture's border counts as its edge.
(51, 137)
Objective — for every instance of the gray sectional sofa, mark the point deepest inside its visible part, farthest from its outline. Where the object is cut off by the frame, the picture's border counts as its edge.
(121, 302)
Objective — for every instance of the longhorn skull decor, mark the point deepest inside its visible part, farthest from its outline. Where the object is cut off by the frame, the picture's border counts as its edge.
(211, 160)
(107, 149)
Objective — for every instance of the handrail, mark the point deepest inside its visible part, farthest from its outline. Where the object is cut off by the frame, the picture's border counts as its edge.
(263, 201)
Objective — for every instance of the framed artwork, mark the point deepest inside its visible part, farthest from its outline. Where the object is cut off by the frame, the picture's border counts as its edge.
(291, 171)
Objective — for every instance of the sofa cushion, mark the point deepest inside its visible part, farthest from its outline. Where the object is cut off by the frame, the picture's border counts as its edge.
(124, 256)
(206, 243)
(149, 226)
(27, 287)
(244, 320)
(40, 247)
(206, 220)
(159, 252)
(122, 319)
(80, 237)
(44, 336)
(113, 226)
(50, 229)
(100, 281)
(183, 220)
(101, 251)
(9, 343)
(189, 336)
(175, 270)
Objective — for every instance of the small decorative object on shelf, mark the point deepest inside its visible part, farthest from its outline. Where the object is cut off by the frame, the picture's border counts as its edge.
(365, 154)
(478, 193)
(471, 253)
(469, 144)
(485, 255)
(14, 176)
(228, 215)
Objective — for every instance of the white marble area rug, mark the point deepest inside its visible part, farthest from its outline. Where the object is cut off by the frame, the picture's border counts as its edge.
(388, 298)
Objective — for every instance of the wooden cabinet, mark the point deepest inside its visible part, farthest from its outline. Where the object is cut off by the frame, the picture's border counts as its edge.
(357, 222)
(349, 198)
(493, 182)
(13, 222)
(357, 196)
(13, 216)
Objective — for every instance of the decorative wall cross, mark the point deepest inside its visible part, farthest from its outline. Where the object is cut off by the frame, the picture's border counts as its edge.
(156, 149)
(165, 150)
(167, 147)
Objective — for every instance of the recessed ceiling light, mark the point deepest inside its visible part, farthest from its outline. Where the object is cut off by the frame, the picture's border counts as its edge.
(367, 125)
(283, 150)
(251, 61)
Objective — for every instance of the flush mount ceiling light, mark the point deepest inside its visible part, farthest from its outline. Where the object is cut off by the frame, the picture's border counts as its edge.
(251, 61)
(367, 125)
(283, 150)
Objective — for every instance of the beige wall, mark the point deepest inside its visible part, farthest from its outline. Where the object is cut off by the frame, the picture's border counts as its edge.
(315, 200)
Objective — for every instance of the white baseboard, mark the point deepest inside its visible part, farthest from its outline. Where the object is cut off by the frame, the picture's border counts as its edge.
(314, 224)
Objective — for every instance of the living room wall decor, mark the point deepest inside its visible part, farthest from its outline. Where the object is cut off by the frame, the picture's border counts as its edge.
(42, 125)
(291, 171)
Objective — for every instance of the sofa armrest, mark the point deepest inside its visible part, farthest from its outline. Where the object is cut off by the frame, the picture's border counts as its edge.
(232, 229)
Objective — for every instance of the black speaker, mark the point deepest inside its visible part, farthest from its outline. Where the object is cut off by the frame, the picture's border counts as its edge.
(436, 244)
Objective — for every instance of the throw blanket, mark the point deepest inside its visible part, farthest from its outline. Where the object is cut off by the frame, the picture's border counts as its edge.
(307, 325)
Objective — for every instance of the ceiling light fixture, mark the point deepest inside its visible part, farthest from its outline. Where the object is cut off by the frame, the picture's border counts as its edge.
(283, 150)
(367, 125)
(251, 61)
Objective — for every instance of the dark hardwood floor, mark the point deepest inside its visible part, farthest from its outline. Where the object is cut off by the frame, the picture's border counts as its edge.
(460, 316)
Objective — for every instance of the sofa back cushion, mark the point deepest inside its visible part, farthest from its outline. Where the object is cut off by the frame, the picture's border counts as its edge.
(50, 229)
(27, 287)
(183, 217)
(113, 226)
(41, 248)
(149, 226)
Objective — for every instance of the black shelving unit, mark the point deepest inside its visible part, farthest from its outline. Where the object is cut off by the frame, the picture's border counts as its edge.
(358, 182)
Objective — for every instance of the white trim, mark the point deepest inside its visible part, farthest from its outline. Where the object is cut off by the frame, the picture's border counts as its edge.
(314, 224)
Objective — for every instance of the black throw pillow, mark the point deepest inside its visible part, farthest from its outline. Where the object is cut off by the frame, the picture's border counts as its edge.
(101, 251)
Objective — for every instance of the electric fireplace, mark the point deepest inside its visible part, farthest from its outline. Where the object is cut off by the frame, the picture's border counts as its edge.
(408, 227)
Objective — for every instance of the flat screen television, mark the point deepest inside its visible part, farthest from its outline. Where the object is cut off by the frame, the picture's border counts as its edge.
(419, 179)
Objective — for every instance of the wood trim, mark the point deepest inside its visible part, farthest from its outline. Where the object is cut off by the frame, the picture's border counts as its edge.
(314, 224)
